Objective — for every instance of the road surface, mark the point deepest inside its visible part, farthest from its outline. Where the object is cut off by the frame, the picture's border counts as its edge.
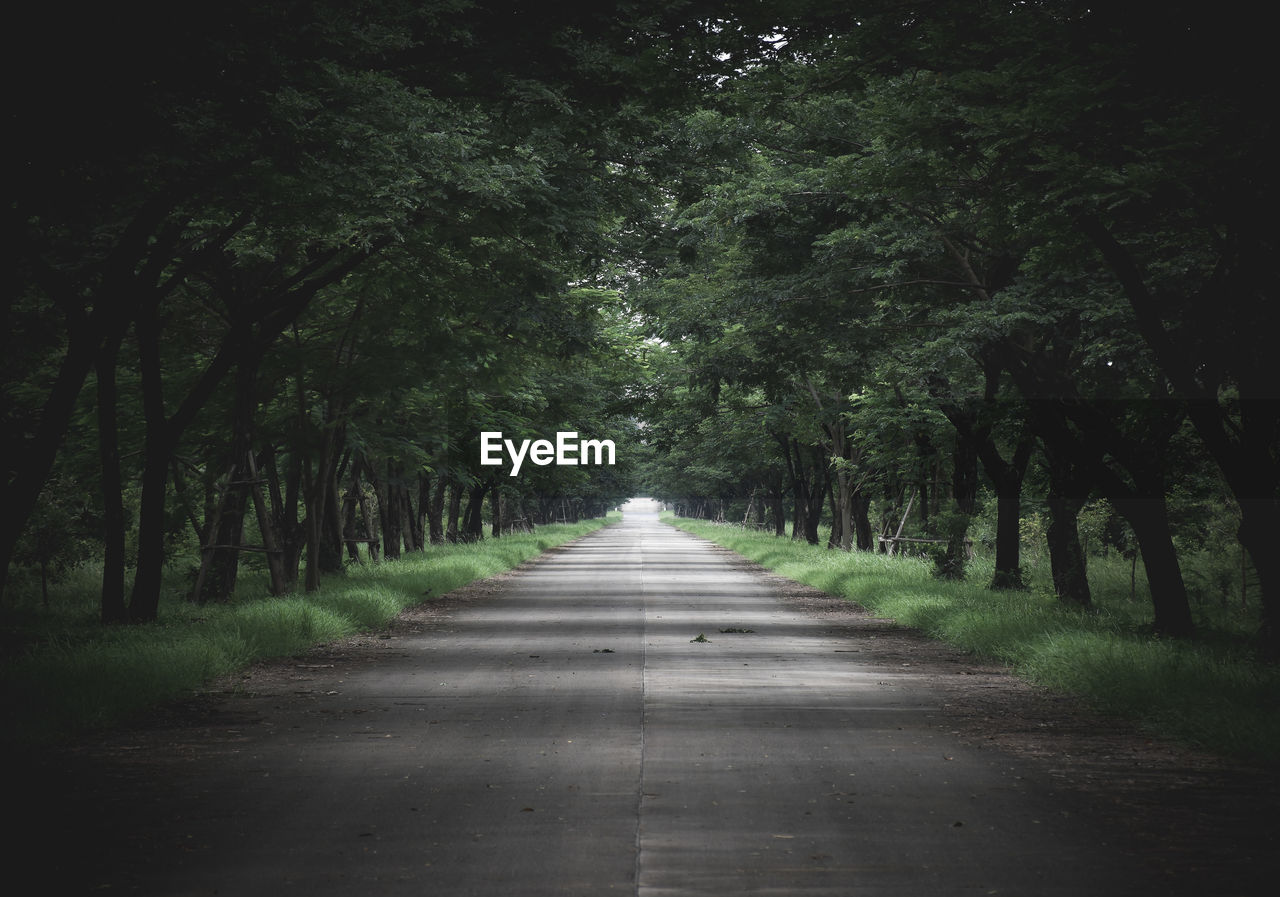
(634, 714)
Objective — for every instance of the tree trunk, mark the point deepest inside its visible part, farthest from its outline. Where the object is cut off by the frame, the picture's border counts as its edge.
(964, 471)
(955, 529)
(388, 508)
(1066, 557)
(808, 493)
(410, 516)
(926, 456)
(1008, 561)
(219, 582)
(419, 519)
(350, 534)
(798, 501)
(1150, 521)
(315, 498)
(320, 495)
(113, 608)
(964, 488)
(495, 503)
(331, 526)
(435, 510)
(1007, 478)
(160, 443)
(455, 506)
(845, 493)
(1067, 494)
(158, 448)
(1259, 534)
(861, 520)
(821, 481)
(777, 504)
(291, 535)
(833, 502)
(269, 531)
(370, 519)
(473, 523)
(844, 487)
(144, 599)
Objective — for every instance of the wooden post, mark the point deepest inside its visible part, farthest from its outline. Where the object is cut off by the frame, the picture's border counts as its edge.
(896, 536)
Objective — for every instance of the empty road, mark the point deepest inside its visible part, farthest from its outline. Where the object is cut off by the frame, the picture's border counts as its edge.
(570, 734)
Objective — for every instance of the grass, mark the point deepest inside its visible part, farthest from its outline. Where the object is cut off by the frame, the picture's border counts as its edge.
(1210, 692)
(73, 674)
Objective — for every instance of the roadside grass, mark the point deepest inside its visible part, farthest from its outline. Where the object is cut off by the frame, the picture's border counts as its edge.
(1211, 692)
(69, 673)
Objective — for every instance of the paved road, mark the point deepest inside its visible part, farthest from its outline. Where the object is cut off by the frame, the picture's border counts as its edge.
(566, 736)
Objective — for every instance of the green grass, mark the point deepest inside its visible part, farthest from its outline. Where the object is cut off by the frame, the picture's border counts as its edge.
(1210, 692)
(71, 673)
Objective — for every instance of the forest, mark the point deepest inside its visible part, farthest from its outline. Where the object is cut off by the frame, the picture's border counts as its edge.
(946, 279)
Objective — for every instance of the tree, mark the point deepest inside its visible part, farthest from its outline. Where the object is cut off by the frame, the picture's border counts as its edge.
(896, 179)
(253, 161)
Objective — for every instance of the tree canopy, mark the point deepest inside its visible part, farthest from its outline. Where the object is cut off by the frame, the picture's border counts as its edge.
(881, 271)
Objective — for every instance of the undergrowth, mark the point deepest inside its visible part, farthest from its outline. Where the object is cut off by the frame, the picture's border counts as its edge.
(66, 672)
(1210, 691)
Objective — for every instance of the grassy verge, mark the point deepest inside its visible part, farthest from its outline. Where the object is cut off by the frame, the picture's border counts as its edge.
(1210, 692)
(76, 674)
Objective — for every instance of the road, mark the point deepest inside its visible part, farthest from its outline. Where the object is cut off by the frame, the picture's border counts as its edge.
(571, 735)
